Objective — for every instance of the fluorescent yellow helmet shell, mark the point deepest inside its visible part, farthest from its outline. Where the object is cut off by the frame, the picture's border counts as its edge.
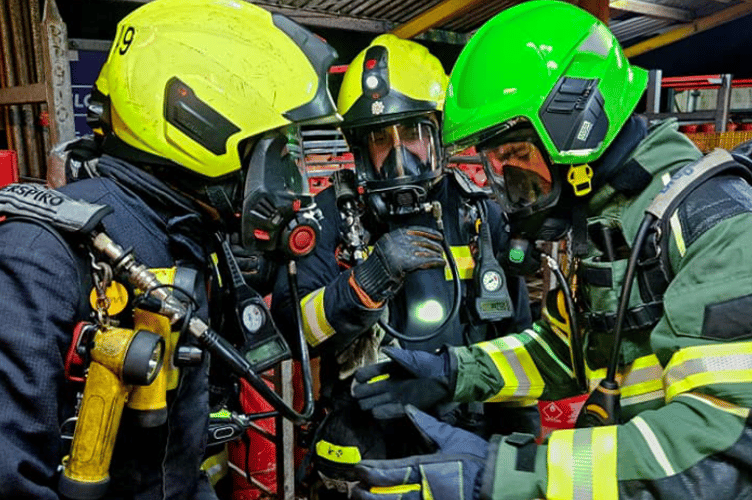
(391, 78)
(188, 80)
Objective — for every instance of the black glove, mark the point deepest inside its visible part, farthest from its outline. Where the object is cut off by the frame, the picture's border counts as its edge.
(394, 255)
(453, 472)
(417, 378)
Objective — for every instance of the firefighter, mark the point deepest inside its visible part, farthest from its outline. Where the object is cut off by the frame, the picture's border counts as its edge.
(644, 207)
(188, 90)
(402, 209)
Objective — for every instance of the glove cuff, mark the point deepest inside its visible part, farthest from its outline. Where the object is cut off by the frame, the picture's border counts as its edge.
(374, 279)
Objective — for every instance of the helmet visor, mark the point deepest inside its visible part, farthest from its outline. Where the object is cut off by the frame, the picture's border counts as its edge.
(402, 151)
(520, 175)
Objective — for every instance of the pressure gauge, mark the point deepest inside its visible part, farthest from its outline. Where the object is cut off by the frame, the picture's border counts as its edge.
(491, 280)
(253, 318)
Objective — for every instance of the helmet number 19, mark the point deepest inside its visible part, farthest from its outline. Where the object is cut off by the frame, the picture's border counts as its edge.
(126, 39)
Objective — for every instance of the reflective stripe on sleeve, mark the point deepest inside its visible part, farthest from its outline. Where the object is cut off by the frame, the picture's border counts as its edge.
(582, 464)
(655, 446)
(703, 365)
(315, 326)
(641, 381)
(521, 377)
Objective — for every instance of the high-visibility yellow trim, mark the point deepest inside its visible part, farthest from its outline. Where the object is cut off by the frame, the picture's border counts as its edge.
(717, 403)
(643, 376)
(543, 344)
(698, 366)
(378, 378)
(465, 263)
(582, 464)
(339, 454)
(643, 398)
(560, 464)
(315, 325)
(516, 367)
(655, 446)
(427, 493)
(216, 466)
(394, 490)
(563, 326)
(215, 264)
(676, 229)
(604, 448)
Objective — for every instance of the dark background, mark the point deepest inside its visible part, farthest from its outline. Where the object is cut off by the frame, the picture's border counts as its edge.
(724, 49)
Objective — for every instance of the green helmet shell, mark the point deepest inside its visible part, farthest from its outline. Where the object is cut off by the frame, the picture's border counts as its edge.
(552, 64)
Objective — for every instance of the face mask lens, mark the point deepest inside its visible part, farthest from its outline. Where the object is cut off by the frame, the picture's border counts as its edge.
(289, 174)
(401, 150)
(520, 172)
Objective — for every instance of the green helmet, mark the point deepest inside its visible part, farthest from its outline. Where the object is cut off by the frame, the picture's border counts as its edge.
(551, 65)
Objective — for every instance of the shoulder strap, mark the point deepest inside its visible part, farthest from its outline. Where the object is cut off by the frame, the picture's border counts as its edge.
(82, 268)
(655, 267)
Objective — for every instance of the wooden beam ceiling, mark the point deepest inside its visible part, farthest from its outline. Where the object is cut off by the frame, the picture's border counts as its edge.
(689, 29)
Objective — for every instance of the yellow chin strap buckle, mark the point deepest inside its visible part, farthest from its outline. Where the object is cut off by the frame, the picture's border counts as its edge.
(579, 177)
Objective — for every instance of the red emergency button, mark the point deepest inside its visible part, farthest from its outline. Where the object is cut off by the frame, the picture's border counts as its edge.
(302, 240)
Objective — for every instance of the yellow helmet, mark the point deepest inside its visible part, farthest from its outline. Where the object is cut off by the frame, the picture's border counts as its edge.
(391, 79)
(390, 99)
(189, 80)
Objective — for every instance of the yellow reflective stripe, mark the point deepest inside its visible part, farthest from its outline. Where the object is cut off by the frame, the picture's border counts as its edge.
(604, 473)
(339, 454)
(427, 493)
(640, 381)
(560, 464)
(698, 366)
(394, 490)
(644, 375)
(543, 344)
(216, 466)
(642, 398)
(516, 367)
(465, 263)
(582, 464)
(655, 446)
(378, 378)
(676, 229)
(717, 403)
(315, 326)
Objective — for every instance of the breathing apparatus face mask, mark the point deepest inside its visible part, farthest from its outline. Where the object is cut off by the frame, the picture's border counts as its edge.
(279, 214)
(527, 186)
(398, 163)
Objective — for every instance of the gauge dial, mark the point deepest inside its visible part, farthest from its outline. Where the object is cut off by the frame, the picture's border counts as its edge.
(491, 280)
(253, 317)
